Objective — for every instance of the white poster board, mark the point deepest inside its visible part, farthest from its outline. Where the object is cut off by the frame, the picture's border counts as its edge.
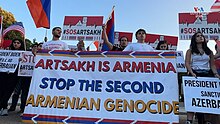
(201, 94)
(206, 22)
(180, 62)
(89, 87)
(9, 60)
(26, 66)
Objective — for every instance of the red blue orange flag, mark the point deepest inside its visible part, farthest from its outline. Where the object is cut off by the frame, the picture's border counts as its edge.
(40, 12)
(110, 29)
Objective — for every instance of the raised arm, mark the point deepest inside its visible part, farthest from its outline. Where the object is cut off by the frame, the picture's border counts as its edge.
(105, 36)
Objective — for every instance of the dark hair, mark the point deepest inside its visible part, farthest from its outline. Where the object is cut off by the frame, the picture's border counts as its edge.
(56, 28)
(122, 37)
(34, 45)
(160, 43)
(216, 48)
(11, 47)
(41, 43)
(193, 45)
(139, 30)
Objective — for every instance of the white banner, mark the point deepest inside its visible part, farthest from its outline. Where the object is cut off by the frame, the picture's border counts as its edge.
(26, 66)
(9, 60)
(87, 28)
(202, 94)
(205, 22)
(180, 62)
(99, 87)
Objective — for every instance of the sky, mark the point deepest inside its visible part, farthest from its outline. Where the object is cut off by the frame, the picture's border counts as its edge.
(155, 16)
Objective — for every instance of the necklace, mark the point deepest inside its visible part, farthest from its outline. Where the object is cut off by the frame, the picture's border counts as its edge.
(201, 51)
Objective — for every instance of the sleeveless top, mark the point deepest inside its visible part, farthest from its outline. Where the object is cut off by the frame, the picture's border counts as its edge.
(200, 62)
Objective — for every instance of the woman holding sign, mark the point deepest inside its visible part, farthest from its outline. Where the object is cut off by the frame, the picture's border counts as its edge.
(9, 80)
(200, 63)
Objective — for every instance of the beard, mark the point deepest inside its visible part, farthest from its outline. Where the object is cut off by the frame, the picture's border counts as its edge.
(57, 35)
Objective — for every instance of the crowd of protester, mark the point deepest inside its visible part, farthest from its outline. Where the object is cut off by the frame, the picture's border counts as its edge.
(199, 62)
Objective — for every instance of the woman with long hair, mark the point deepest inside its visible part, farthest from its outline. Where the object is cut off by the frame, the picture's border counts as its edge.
(200, 63)
(8, 81)
(17, 44)
(162, 45)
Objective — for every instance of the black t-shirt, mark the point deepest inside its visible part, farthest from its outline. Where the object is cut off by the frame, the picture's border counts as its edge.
(117, 47)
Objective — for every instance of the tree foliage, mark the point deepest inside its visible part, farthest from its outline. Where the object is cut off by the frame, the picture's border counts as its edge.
(9, 19)
(28, 44)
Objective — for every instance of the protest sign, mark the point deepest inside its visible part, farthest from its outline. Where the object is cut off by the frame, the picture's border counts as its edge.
(89, 87)
(201, 94)
(180, 62)
(9, 60)
(153, 40)
(87, 28)
(26, 66)
(206, 22)
(118, 35)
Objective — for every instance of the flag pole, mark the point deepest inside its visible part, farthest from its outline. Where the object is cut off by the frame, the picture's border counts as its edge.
(91, 43)
(1, 36)
(25, 47)
(45, 38)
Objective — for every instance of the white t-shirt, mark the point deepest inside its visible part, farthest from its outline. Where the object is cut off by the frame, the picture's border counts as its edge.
(142, 47)
(55, 45)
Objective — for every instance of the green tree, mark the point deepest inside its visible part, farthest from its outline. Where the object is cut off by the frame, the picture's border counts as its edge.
(9, 19)
(34, 40)
(28, 44)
